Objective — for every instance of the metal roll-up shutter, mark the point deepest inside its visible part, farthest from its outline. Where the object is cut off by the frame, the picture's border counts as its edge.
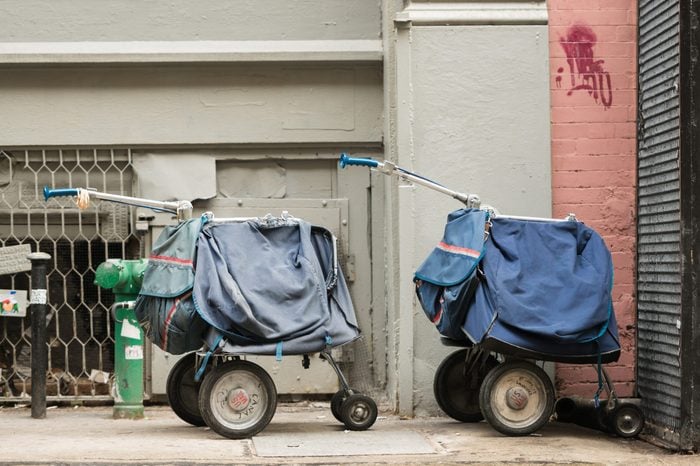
(659, 228)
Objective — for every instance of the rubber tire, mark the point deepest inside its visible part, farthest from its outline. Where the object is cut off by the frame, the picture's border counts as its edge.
(183, 392)
(626, 420)
(337, 401)
(358, 412)
(219, 416)
(456, 393)
(492, 397)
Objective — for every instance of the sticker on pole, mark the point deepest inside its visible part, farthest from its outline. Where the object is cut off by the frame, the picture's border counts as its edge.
(37, 297)
(13, 303)
(129, 330)
(133, 352)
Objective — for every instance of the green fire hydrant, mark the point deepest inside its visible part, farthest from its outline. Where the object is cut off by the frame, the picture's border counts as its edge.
(124, 278)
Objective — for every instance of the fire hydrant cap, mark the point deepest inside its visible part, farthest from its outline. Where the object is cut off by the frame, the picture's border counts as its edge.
(108, 274)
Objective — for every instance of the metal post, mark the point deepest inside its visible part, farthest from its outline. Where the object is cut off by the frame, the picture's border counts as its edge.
(40, 356)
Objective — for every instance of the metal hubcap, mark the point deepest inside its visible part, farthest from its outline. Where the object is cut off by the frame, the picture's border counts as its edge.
(360, 412)
(238, 399)
(627, 423)
(517, 398)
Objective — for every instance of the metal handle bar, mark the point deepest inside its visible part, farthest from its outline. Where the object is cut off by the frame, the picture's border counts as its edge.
(183, 209)
(59, 192)
(470, 200)
(345, 161)
(388, 168)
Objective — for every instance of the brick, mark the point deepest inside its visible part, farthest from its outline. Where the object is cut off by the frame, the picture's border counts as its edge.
(566, 161)
(605, 17)
(629, 5)
(565, 113)
(627, 130)
(593, 179)
(576, 5)
(619, 49)
(564, 146)
(626, 33)
(621, 80)
(566, 195)
(613, 146)
(583, 130)
(606, 33)
(620, 242)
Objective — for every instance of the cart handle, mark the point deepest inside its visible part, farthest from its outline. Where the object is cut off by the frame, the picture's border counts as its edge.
(388, 168)
(345, 161)
(59, 192)
(183, 209)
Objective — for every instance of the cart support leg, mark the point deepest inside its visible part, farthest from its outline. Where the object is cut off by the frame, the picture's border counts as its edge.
(326, 354)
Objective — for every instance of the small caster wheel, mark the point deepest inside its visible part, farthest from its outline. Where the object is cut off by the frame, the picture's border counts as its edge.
(237, 399)
(456, 388)
(626, 420)
(517, 398)
(337, 401)
(358, 412)
(183, 392)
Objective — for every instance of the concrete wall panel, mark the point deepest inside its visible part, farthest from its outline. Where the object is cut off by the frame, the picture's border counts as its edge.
(478, 105)
(181, 20)
(211, 104)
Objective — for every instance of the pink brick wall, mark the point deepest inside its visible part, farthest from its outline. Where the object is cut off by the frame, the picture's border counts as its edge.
(593, 77)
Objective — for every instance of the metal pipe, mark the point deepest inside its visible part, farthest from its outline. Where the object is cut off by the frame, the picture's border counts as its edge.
(583, 412)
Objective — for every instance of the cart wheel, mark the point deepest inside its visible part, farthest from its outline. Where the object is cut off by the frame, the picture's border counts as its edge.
(627, 420)
(516, 398)
(337, 401)
(358, 412)
(456, 391)
(183, 391)
(237, 399)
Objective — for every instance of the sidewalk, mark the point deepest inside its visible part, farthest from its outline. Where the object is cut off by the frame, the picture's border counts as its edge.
(301, 433)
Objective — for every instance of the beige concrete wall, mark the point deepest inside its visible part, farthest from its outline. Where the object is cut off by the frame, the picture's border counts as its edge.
(473, 115)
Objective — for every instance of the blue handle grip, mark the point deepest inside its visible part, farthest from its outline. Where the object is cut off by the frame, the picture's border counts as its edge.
(59, 192)
(345, 161)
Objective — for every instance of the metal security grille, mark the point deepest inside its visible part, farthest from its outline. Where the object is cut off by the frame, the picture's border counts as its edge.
(80, 330)
(659, 248)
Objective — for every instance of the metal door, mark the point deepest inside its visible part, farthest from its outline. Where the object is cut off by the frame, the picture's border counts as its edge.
(659, 230)
(307, 187)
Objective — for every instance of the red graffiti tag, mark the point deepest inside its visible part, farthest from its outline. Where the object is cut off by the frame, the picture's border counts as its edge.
(585, 71)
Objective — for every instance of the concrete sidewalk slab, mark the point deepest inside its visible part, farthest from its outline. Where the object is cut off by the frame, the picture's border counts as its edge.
(301, 433)
(345, 443)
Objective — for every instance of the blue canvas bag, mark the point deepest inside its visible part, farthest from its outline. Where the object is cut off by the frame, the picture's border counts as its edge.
(164, 307)
(545, 293)
(446, 280)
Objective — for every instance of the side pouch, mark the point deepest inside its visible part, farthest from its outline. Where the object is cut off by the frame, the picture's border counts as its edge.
(446, 280)
(172, 324)
(446, 306)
